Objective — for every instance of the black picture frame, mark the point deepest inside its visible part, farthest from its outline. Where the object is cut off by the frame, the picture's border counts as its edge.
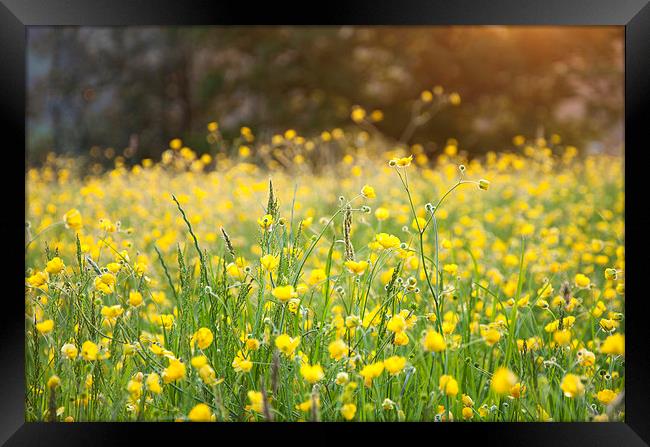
(634, 15)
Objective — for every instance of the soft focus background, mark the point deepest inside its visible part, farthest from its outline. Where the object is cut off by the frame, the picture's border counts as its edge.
(133, 89)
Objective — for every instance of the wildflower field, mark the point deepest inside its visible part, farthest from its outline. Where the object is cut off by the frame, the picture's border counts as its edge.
(335, 277)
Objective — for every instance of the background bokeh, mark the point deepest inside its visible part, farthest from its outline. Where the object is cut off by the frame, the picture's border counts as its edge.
(135, 88)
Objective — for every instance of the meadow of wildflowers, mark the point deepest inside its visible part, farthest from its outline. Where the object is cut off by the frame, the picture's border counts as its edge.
(244, 284)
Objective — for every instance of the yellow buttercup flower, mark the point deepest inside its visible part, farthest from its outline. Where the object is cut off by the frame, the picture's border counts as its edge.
(203, 338)
(395, 364)
(73, 219)
(387, 241)
(114, 267)
(316, 276)
(608, 325)
(69, 350)
(382, 214)
(45, 327)
(448, 385)
(165, 320)
(207, 374)
(306, 405)
(200, 413)
(199, 361)
(614, 345)
(433, 341)
(89, 350)
(606, 396)
(312, 373)
(348, 411)
(572, 386)
(112, 312)
(368, 192)
(241, 363)
(402, 162)
(356, 268)
(342, 378)
(105, 283)
(252, 344)
(397, 323)
(503, 380)
(286, 344)
(582, 281)
(611, 274)
(265, 222)
(39, 280)
(563, 337)
(256, 399)
(153, 383)
(54, 266)
(175, 371)
(269, 262)
(490, 335)
(452, 269)
(284, 293)
(134, 386)
(401, 339)
(371, 371)
(337, 349)
(586, 357)
(517, 391)
(135, 298)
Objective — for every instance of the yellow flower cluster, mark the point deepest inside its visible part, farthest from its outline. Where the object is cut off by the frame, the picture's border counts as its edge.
(358, 288)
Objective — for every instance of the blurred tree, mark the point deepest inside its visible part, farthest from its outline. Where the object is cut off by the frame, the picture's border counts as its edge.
(137, 88)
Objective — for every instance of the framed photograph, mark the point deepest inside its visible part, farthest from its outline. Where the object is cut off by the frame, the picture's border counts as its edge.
(376, 218)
